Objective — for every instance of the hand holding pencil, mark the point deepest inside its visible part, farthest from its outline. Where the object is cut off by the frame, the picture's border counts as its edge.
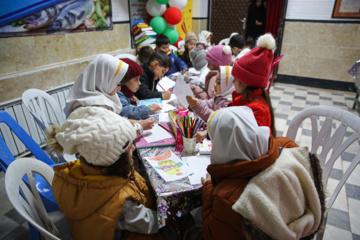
(166, 95)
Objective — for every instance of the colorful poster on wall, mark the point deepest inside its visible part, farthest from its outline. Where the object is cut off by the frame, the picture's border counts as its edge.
(36, 17)
(185, 24)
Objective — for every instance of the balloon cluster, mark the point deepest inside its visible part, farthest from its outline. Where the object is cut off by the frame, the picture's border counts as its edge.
(165, 19)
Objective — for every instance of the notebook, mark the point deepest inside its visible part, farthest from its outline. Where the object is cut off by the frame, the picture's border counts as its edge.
(142, 143)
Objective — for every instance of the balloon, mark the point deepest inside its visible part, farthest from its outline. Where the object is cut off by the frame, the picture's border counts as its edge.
(179, 4)
(162, 1)
(155, 9)
(172, 34)
(172, 15)
(158, 24)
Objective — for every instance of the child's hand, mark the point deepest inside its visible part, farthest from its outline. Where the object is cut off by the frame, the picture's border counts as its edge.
(192, 87)
(203, 180)
(134, 99)
(166, 95)
(200, 136)
(147, 123)
(154, 108)
(192, 101)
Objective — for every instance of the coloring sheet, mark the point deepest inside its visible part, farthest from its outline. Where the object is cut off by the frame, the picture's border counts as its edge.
(181, 90)
(169, 166)
(155, 134)
(198, 165)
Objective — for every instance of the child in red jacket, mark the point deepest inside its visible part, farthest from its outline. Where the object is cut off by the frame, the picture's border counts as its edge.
(251, 75)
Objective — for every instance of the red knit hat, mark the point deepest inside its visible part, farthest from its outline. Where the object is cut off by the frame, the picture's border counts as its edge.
(254, 68)
(134, 69)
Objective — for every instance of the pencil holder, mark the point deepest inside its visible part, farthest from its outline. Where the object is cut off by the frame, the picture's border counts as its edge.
(189, 145)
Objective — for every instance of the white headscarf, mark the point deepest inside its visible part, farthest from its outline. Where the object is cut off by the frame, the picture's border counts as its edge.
(204, 35)
(236, 135)
(226, 80)
(96, 82)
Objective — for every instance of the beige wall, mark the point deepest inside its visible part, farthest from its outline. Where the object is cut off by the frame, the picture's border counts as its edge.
(48, 61)
(320, 50)
(199, 25)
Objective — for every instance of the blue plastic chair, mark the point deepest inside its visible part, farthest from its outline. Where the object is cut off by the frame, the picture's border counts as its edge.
(6, 158)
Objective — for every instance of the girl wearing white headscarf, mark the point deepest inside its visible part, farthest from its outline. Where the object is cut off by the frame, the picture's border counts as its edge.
(258, 193)
(97, 85)
(205, 37)
(223, 86)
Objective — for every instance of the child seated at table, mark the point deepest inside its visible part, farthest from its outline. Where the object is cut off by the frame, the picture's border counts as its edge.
(97, 86)
(251, 76)
(153, 71)
(144, 54)
(205, 37)
(255, 192)
(217, 56)
(162, 44)
(199, 62)
(101, 194)
(223, 86)
(190, 44)
(128, 88)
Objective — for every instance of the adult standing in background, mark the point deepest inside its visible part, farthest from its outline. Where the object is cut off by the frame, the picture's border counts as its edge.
(256, 19)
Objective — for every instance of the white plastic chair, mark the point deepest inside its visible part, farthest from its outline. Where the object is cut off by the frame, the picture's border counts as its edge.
(46, 111)
(224, 41)
(27, 202)
(329, 146)
(126, 55)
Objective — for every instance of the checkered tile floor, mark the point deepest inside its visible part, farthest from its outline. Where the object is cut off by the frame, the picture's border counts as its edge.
(343, 221)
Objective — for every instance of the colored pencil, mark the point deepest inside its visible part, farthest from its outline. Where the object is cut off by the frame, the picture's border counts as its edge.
(161, 87)
(180, 128)
(165, 128)
(197, 127)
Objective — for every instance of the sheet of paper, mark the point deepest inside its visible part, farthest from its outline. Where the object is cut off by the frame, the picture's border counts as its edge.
(181, 90)
(166, 83)
(194, 71)
(157, 133)
(169, 166)
(164, 117)
(167, 107)
(197, 165)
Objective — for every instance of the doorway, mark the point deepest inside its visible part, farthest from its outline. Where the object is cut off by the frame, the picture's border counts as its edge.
(228, 16)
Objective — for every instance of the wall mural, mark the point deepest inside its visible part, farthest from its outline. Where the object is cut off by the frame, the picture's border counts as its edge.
(36, 17)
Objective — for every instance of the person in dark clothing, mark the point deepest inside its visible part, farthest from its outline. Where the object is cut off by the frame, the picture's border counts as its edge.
(190, 44)
(158, 64)
(256, 19)
(162, 44)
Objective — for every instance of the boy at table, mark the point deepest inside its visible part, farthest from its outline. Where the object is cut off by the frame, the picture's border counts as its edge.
(162, 44)
(254, 192)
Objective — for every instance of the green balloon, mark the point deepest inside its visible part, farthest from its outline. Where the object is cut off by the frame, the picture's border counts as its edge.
(158, 24)
(162, 1)
(172, 34)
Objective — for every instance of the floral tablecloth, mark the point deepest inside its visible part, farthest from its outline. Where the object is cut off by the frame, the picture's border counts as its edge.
(176, 198)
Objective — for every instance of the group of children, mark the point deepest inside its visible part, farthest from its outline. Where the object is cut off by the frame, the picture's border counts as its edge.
(103, 196)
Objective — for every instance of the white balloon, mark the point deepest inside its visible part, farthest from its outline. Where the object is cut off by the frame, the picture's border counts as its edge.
(179, 4)
(171, 26)
(155, 9)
